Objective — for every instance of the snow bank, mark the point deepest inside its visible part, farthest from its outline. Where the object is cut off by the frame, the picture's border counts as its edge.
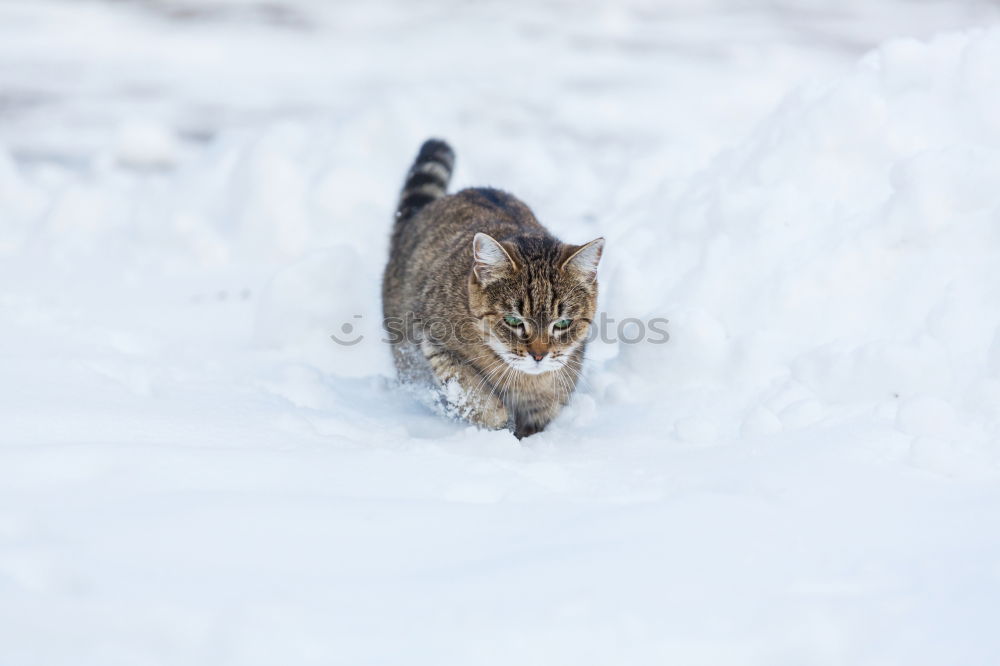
(841, 263)
(21, 204)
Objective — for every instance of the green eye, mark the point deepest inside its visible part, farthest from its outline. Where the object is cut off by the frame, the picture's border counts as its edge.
(562, 324)
(511, 320)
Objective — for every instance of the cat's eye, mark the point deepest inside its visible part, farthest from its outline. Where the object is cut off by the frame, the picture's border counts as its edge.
(562, 324)
(511, 320)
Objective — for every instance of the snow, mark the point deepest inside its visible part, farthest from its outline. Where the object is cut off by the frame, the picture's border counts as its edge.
(195, 196)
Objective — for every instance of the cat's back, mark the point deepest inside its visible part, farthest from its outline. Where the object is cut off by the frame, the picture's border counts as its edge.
(457, 217)
(433, 249)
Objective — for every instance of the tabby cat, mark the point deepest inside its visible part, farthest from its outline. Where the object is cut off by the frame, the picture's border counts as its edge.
(483, 304)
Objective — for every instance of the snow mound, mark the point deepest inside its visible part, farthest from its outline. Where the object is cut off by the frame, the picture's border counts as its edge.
(20, 204)
(844, 260)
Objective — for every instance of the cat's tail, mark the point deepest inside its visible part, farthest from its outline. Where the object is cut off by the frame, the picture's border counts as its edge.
(427, 179)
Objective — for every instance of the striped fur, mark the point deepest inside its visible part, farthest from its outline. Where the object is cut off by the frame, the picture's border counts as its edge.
(461, 268)
(427, 179)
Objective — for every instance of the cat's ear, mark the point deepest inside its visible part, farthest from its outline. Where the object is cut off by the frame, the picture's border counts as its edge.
(492, 261)
(584, 258)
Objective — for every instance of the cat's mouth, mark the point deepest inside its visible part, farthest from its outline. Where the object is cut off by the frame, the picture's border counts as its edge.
(525, 364)
(530, 366)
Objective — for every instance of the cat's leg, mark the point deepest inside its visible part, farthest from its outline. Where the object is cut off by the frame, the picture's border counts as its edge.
(536, 408)
(529, 420)
(464, 391)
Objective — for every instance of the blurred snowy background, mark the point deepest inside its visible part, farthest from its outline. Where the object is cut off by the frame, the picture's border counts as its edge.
(194, 194)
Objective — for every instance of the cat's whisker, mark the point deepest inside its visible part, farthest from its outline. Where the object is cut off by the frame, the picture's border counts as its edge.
(560, 377)
(489, 373)
(512, 378)
(573, 375)
(502, 382)
(576, 367)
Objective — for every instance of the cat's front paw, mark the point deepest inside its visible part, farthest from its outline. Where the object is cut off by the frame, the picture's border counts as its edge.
(493, 417)
(522, 430)
(487, 411)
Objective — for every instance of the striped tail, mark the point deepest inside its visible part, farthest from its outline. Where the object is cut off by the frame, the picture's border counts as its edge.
(428, 178)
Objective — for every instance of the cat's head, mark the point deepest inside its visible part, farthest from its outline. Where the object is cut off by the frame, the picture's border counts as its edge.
(535, 297)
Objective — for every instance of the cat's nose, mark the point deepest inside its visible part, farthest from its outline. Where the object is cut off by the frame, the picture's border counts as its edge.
(538, 355)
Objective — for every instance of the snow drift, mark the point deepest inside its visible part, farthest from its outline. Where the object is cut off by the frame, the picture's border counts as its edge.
(842, 263)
